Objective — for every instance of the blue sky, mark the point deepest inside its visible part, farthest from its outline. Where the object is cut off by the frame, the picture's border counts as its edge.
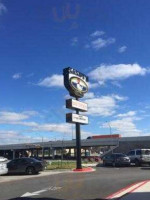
(107, 40)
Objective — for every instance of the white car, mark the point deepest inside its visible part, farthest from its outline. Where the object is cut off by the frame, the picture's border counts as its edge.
(2, 159)
(3, 166)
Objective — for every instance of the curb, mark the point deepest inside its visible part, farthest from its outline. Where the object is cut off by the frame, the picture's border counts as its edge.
(84, 170)
(127, 190)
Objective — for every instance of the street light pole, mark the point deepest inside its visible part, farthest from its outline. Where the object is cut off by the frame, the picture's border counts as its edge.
(110, 131)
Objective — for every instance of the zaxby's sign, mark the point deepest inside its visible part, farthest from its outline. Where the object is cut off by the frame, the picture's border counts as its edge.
(75, 82)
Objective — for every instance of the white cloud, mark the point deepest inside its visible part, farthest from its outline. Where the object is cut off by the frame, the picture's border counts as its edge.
(89, 95)
(122, 49)
(18, 118)
(61, 128)
(116, 83)
(124, 126)
(14, 118)
(97, 33)
(93, 85)
(7, 117)
(3, 8)
(15, 137)
(8, 134)
(17, 76)
(103, 105)
(100, 43)
(86, 134)
(116, 72)
(128, 114)
(30, 112)
(74, 41)
(119, 98)
(52, 81)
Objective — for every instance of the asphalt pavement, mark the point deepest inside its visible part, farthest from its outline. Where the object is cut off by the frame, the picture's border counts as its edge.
(72, 186)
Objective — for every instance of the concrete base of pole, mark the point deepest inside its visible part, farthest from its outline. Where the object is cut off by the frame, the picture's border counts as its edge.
(87, 169)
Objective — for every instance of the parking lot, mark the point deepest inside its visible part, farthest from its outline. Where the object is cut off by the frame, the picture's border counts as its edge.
(70, 185)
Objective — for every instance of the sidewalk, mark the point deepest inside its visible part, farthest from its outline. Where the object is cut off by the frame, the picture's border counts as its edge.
(137, 191)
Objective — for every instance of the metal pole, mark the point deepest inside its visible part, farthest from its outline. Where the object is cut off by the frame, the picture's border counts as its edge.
(72, 132)
(78, 143)
(62, 148)
(109, 127)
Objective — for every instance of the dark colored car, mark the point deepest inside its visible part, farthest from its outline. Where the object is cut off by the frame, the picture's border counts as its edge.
(116, 159)
(25, 165)
(44, 162)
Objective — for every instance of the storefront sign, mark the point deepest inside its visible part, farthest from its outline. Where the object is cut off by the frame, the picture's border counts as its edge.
(74, 104)
(75, 118)
(75, 82)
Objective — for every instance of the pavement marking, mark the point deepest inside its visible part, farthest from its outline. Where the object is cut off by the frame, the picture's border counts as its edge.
(146, 188)
(140, 193)
(128, 189)
(29, 194)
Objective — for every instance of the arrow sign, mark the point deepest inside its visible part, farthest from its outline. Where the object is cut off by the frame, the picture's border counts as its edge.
(29, 194)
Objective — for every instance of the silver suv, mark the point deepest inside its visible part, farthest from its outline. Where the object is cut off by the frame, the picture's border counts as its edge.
(139, 156)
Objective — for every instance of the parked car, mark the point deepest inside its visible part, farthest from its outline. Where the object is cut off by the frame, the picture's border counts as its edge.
(139, 156)
(44, 162)
(3, 166)
(116, 159)
(3, 159)
(25, 165)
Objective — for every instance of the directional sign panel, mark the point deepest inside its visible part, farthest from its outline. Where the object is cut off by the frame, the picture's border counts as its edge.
(75, 118)
(74, 104)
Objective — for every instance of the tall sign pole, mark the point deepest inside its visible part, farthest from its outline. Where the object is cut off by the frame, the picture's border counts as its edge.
(78, 142)
(77, 85)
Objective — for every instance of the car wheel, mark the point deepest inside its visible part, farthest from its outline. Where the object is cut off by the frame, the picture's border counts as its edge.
(137, 163)
(30, 170)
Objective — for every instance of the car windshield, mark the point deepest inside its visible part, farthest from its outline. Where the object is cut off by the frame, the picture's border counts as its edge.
(32, 159)
(74, 99)
(120, 155)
